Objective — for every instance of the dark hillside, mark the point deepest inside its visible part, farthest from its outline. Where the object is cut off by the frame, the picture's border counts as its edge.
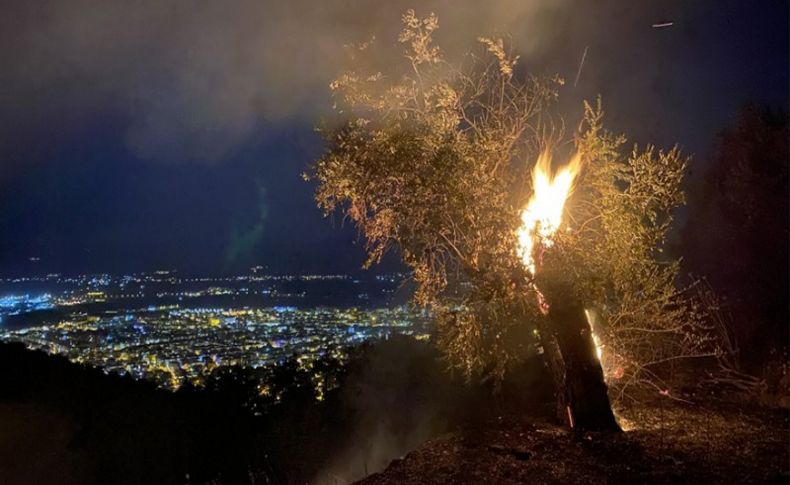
(669, 443)
(66, 423)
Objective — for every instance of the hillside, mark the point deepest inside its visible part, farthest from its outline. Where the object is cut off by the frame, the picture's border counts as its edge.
(65, 423)
(62, 422)
(669, 443)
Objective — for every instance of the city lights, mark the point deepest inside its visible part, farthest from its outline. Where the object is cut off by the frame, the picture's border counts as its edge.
(171, 330)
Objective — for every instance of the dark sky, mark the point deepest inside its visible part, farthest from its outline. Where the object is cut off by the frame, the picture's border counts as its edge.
(172, 134)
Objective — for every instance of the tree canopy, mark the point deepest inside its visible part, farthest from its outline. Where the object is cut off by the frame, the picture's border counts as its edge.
(434, 158)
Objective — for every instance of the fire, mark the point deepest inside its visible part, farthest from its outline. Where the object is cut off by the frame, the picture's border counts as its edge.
(598, 344)
(543, 214)
(541, 219)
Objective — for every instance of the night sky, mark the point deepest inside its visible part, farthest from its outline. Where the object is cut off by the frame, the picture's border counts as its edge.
(171, 134)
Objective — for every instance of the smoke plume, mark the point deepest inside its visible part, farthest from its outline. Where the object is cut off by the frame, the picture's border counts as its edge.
(192, 79)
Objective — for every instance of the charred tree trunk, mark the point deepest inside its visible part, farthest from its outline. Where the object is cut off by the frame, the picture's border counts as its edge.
(557, 369)
(582, 399)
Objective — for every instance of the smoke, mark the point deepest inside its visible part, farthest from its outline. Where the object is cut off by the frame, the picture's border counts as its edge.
(194, 79)
(399, 396)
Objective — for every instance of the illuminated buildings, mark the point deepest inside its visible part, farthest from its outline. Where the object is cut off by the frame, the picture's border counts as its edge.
(137, 326)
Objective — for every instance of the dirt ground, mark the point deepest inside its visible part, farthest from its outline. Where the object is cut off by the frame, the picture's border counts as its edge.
(664, 442)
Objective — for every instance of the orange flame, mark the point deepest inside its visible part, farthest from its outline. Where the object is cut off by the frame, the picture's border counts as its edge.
(541, 219)
(542, 216)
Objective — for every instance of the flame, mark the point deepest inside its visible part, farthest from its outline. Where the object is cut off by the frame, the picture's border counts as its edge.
(541, 219)
(542, 216)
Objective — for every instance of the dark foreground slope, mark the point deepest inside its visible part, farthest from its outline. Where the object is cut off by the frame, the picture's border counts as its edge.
(665, 443)
(67, 423)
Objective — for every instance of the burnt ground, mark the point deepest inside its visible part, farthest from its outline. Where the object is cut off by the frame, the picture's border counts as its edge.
(664, 442)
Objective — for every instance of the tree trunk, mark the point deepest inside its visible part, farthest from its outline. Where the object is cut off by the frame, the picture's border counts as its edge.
(582, 399)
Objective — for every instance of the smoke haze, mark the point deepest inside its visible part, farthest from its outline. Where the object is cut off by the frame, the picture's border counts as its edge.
(89, 89)
(194, 78)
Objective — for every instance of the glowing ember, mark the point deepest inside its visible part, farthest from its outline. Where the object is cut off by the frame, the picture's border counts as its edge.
(543, 214)
(596, 340)
(598, 347)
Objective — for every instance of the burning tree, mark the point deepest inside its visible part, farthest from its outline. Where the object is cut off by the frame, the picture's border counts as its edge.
(514, 256)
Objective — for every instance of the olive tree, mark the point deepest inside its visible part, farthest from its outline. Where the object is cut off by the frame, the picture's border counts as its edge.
(434, 159)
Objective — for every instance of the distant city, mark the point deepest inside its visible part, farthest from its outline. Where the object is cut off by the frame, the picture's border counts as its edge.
(171, 329)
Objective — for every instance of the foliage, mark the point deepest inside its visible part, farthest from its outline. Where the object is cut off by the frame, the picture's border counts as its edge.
(613, 251)
(434, 159)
